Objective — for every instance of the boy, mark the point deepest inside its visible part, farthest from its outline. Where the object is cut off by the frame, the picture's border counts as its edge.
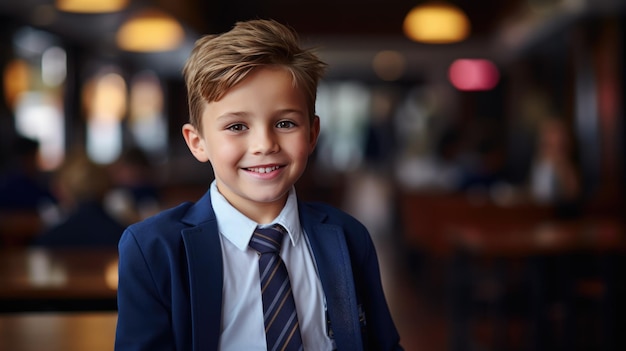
(189, 278)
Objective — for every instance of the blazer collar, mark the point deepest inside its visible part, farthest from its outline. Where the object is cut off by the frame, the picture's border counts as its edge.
(201, 211)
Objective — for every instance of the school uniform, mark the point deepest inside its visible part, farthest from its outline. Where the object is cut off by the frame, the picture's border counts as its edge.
(171, 280)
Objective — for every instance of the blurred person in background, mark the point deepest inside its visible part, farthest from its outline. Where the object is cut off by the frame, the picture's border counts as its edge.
(25, 197)
(23, 186)
(554, 178)
(81, 186)
(135, 194)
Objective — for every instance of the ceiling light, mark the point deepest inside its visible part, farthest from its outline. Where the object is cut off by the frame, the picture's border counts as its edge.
(91, 6)
(473, 74)
(150, 31)
(436, 23)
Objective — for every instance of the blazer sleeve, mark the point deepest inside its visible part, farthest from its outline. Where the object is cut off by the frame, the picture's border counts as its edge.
(143, 318)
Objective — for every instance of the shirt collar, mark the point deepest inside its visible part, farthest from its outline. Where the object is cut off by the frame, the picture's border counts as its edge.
(238, 228)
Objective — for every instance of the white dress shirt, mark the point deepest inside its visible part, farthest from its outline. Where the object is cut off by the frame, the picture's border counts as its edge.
(242, 307)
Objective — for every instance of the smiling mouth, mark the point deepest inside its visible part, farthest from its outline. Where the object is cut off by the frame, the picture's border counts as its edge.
(262, 169)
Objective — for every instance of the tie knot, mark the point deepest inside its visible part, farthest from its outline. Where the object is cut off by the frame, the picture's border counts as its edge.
(267, 240)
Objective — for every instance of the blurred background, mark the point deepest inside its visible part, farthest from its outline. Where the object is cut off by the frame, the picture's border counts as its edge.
(481, 142)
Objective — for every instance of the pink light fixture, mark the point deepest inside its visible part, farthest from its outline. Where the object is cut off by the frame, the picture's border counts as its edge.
(473, 74)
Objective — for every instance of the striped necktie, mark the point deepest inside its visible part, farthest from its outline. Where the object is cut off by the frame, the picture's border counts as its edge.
(279, 309)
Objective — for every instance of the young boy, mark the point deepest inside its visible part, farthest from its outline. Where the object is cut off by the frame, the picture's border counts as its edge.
(189, 278)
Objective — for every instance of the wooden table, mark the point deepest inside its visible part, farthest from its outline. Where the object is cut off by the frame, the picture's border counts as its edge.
(68, 279)
(58, 331)
(540, 238)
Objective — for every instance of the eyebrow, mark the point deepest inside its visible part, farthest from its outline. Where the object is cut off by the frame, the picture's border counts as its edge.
(243, 114)
(231, 115)
(291, 111)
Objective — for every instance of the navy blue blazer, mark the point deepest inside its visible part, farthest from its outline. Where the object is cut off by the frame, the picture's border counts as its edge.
(170, 280)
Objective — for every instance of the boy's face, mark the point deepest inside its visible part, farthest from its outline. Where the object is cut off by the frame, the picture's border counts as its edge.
(258, 138)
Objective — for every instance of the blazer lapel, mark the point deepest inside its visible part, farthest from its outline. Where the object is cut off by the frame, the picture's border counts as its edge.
(204, 259)
(333, 262)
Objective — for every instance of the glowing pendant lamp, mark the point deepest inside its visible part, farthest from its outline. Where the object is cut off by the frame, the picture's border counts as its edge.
(150, 31)
(436, 23)
(91, 6)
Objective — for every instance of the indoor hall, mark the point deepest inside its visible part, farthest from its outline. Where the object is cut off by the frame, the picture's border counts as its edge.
(487, 163)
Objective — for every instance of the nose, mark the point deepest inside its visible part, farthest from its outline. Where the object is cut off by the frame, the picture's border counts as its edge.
(265, 141)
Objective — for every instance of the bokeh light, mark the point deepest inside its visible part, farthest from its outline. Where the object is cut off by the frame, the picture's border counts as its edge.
(91, 6)
(389, 65)
(436, 23)
(150, 31)
(473, 74)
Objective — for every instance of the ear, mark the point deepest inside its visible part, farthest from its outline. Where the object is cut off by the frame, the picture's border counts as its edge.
(195, 143)
(314, 133)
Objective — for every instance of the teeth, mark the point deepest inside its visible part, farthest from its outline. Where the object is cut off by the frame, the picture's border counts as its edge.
(263, 169)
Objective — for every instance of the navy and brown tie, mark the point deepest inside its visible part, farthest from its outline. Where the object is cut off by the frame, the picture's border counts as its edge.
(279, 309)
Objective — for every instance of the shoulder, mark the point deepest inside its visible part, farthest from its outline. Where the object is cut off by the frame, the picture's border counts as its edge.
(329, 214)
(321, 220)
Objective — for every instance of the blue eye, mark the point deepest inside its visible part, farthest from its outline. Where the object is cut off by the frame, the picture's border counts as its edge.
(285, 124)
(237, 127)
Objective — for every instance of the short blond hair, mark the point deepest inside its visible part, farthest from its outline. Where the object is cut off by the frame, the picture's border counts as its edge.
(218, 62)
